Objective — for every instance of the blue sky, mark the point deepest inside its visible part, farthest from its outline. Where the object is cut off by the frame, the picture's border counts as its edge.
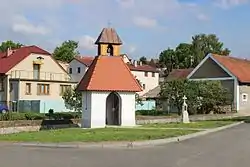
(146, 26)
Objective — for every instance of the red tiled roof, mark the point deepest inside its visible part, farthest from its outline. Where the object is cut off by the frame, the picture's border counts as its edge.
(179, 74)
(108, 73)
(85, 60)
(240, 68)
(88, 60)
(143, 67)
(7, 63)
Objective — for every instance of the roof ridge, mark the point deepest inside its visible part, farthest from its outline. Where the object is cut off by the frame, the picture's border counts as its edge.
(232, 57)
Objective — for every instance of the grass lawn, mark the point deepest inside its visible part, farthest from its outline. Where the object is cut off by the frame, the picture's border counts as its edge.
(200, 124)
(95, 135)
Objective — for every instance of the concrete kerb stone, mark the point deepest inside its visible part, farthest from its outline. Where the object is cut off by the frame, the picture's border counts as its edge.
(133, 144)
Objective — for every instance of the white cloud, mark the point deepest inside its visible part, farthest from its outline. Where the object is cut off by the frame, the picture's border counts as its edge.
(22, 25)
(225, 4)
(131, 49)
(145, 22)
(203, 17)
(126, 3)
(87, 42)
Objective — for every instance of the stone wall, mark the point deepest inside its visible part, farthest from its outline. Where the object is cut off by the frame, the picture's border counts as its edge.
(159, 119)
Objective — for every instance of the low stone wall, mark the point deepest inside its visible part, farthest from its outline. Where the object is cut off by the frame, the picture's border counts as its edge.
(159, 119)
(7, 127)
(34, 128)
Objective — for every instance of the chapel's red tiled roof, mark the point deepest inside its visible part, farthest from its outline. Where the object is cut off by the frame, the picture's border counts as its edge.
(108, 73)
(8, 62)
(87, 60)
(240, 68)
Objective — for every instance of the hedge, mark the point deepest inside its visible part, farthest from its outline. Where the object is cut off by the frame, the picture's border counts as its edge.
(40, 116)
(154, 113)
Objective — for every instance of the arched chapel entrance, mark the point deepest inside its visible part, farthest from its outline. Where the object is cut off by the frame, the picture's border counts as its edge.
(113, 109)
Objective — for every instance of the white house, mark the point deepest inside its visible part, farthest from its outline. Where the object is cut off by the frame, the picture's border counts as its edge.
(108, 100)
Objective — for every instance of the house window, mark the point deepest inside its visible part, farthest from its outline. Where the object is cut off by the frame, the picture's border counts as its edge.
(1, 85)
(43, 89)
(70, 70)
(36, 71)
(244, 97)
(145, 74)
(144, 86)
(153, 74)
(28, 89)
(79, 70)
(63, 88)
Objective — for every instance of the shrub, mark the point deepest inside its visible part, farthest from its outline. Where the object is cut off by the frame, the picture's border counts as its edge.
(203, 97)
(151, 112)
(65, 115)
(34, 116)
(40, 116)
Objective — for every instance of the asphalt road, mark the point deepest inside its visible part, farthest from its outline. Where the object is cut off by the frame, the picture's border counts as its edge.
(228, 148)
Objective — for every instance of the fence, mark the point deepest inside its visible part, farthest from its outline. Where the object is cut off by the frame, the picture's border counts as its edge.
(22, 105)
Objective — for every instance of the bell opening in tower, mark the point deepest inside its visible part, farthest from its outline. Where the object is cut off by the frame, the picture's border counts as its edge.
(110, 50)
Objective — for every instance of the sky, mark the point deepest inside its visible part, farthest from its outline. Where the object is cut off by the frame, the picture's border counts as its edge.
(146, 27)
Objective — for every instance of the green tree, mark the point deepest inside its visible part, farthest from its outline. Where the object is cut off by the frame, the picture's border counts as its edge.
(67, 51)
(204, 44)
(73, 99)
(143, 59)
(184, 55)
(9, 44)
(189, 55)
(203, 96)
(168, 60)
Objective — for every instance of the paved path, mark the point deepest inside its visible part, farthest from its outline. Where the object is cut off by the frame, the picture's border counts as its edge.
(228, 148)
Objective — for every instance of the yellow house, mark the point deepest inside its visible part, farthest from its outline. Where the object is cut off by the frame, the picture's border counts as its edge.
(31, 80)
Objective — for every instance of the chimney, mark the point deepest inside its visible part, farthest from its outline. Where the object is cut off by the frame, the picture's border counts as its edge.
(140, 63)
(135, 63)
(9, 52)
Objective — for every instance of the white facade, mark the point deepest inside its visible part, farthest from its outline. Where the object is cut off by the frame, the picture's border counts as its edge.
(149, 80)
(97, 109)
(77, 70)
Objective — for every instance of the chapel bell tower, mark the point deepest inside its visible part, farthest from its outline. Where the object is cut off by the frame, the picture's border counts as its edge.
(108, 42)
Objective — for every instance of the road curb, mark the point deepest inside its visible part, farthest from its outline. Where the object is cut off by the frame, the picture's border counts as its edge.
(129, 144)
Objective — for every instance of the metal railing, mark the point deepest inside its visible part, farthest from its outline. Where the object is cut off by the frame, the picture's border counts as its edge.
(22, 74)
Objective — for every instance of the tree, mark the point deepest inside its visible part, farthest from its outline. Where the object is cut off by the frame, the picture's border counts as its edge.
(143, 59)
(67, 51)
(189, 55)
(184, 54)
(204, 44)
(167, 59)
(203, 96)
(73, 99)
(9, 44)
